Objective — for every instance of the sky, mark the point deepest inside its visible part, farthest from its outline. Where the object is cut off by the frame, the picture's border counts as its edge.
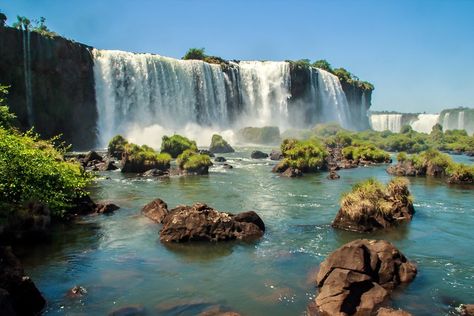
(419, 54)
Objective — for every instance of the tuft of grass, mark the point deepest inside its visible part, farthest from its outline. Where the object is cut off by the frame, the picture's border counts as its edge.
(306, 155)
(176, 144)
(190, 160)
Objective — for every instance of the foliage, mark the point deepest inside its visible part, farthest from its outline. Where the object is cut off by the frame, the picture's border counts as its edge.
(6, 117)
(39, 26)
(117, 146)
(402, 156)
(22, 23)
(459, 172)
(307, 155)
(302, 63)
(370, 197)
(431, 158)
(327, 129)
(259, 135)
(3, 19)
(176, 144)
(144, 153)
(190, 160)
(365, 151)
(195, 53)
(323, 64)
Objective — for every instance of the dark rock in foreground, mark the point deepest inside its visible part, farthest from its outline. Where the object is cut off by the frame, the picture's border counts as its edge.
(17, 291)
(200, 222)
(156, 210)
(383, 311)
(106, 208)
(257, 154)
(359, 276)
(467, 309)
(132, 310)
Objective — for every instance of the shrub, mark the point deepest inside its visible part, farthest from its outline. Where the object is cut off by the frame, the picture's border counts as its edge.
(195, 53)
(327, 129)
(365, 151)
(142, 158)
(402, 156)
(190, 160)
(6, 117)
(460, 173)
(323, 64)
(306, 155)
(176, 144)
(117, 146)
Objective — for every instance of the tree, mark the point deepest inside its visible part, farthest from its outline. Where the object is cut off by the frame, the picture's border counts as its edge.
(6, 117)
(343, 74)
(195, 53)
(3, 19)
(22, 23)
(323, 64)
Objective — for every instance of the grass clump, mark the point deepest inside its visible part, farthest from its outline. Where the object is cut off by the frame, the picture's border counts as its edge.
(305, 155)
(142, 158)
(365, 151)
(192, 161)
(117, 146)
(177, 144)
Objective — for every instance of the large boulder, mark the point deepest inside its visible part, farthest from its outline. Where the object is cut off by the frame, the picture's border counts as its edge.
(467, 309)
(220, 145)
(200, 222)
(276, 155)
(28, 223)
(156, 210)
(359, 276)
(371, 206)
(384, 311)
(19, 292)
(257, 154)
(405, 168)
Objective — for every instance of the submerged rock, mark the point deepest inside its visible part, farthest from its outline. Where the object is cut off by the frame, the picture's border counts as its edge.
(19, 292)
(227, 166)
(220, 159)
(76, 291)
(257, 154)
(200, 222)
(333, 175)
(154, 173)
(292, 173)
(371, 206)
(106, 208)
(156, 210)
(359, 276)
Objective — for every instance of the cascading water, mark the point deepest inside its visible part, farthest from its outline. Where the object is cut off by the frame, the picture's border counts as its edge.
(144, 96)
(27, 75)
(425, 123)
(383, 122)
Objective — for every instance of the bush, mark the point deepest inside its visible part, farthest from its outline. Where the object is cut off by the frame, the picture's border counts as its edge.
(34, 170)
(327, 129)
(307, 155)
(323, 64)
(402, 156)
(460, 173)
(143, 158)
(367, 152)
(195, 53)
(117, 146)
(259, 135)
(176, 144)
(191, 161)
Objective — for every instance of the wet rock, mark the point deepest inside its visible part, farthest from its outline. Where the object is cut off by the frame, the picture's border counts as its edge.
(292, 173)
(405, 168)
(333, 175)
(132, 310)
(359, 276)
(467, 309)
(257, 154)
(6, 305)
(156, 210)
(276, 155)
(76, 291)
(220, 159)
(205, 152)
(383, 311)
(154, 173)
(24, 297)
(219, 145)
(84, 205)
(227, 166)
(106, 208)
(109, 165)
(92, 156)
(200, 222)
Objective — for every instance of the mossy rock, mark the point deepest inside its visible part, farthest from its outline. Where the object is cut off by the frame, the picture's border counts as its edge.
(116, 146)
(304, 155)
(191, 162)
(139, 159)
(219, 145)
(176, 145)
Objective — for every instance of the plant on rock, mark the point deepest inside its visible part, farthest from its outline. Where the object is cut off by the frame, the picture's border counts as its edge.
(143, 158)
(306, 156)
(219, 145)
(192, 162)
(176, 144)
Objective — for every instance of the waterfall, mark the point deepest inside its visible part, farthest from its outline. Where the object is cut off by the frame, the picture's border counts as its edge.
(461, 120)
(336, 107)
(383, 122)
(425, 123)
(143, 96)
(446, 122)
(27, 75)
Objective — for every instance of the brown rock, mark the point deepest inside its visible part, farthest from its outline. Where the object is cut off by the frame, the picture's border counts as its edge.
(383, 311)
(106, 208)
(467, 309)
(203, 223)
(359, 276)
(333, 175)
(156, 210)
(292, 173)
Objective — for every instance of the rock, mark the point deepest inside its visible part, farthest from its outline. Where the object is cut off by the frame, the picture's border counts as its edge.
(76, 291)
(227, 166)
(106, 208)
(383, 311)
(205, 152)
(6, 304)
(24, 297)
(219, 145)
(132, 310)
(276, 155)
(154, 173)
(109, 165)
(361, 210)
(333, 175)
(359, 276)
(84, 205)
(156, 210)
(257, 154)
(200, 222)
(220, 159)
(139, 165)
(92, 156)
(467, 309)
(292, 173)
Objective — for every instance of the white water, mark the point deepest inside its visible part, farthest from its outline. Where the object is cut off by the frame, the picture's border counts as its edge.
(383, 122)
(144, 97)
(27, 75)
(425, 123)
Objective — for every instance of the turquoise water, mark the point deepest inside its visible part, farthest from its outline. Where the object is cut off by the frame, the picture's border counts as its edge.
(120, 261)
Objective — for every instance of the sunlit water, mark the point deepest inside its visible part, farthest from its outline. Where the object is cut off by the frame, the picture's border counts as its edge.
(120, 261)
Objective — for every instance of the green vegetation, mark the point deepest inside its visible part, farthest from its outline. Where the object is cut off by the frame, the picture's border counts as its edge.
(219, 145)
(199, 54)
(323, 64)
(365, 151)
(259, 135)
(176, 144)
(117, 146)
(307, 155)
(371, 198)
(142, 158)
(32, 169)
(39, 26)
(192, 161)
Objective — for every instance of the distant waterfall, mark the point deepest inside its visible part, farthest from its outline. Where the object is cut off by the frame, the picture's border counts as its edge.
(383, 122)
(425, 123)
(144, 96)
(459, 118)
(27, 75)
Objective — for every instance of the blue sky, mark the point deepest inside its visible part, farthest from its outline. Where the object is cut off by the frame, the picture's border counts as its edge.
(418, 53)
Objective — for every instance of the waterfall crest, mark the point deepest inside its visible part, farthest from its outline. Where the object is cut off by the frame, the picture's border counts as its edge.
(384, 122)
